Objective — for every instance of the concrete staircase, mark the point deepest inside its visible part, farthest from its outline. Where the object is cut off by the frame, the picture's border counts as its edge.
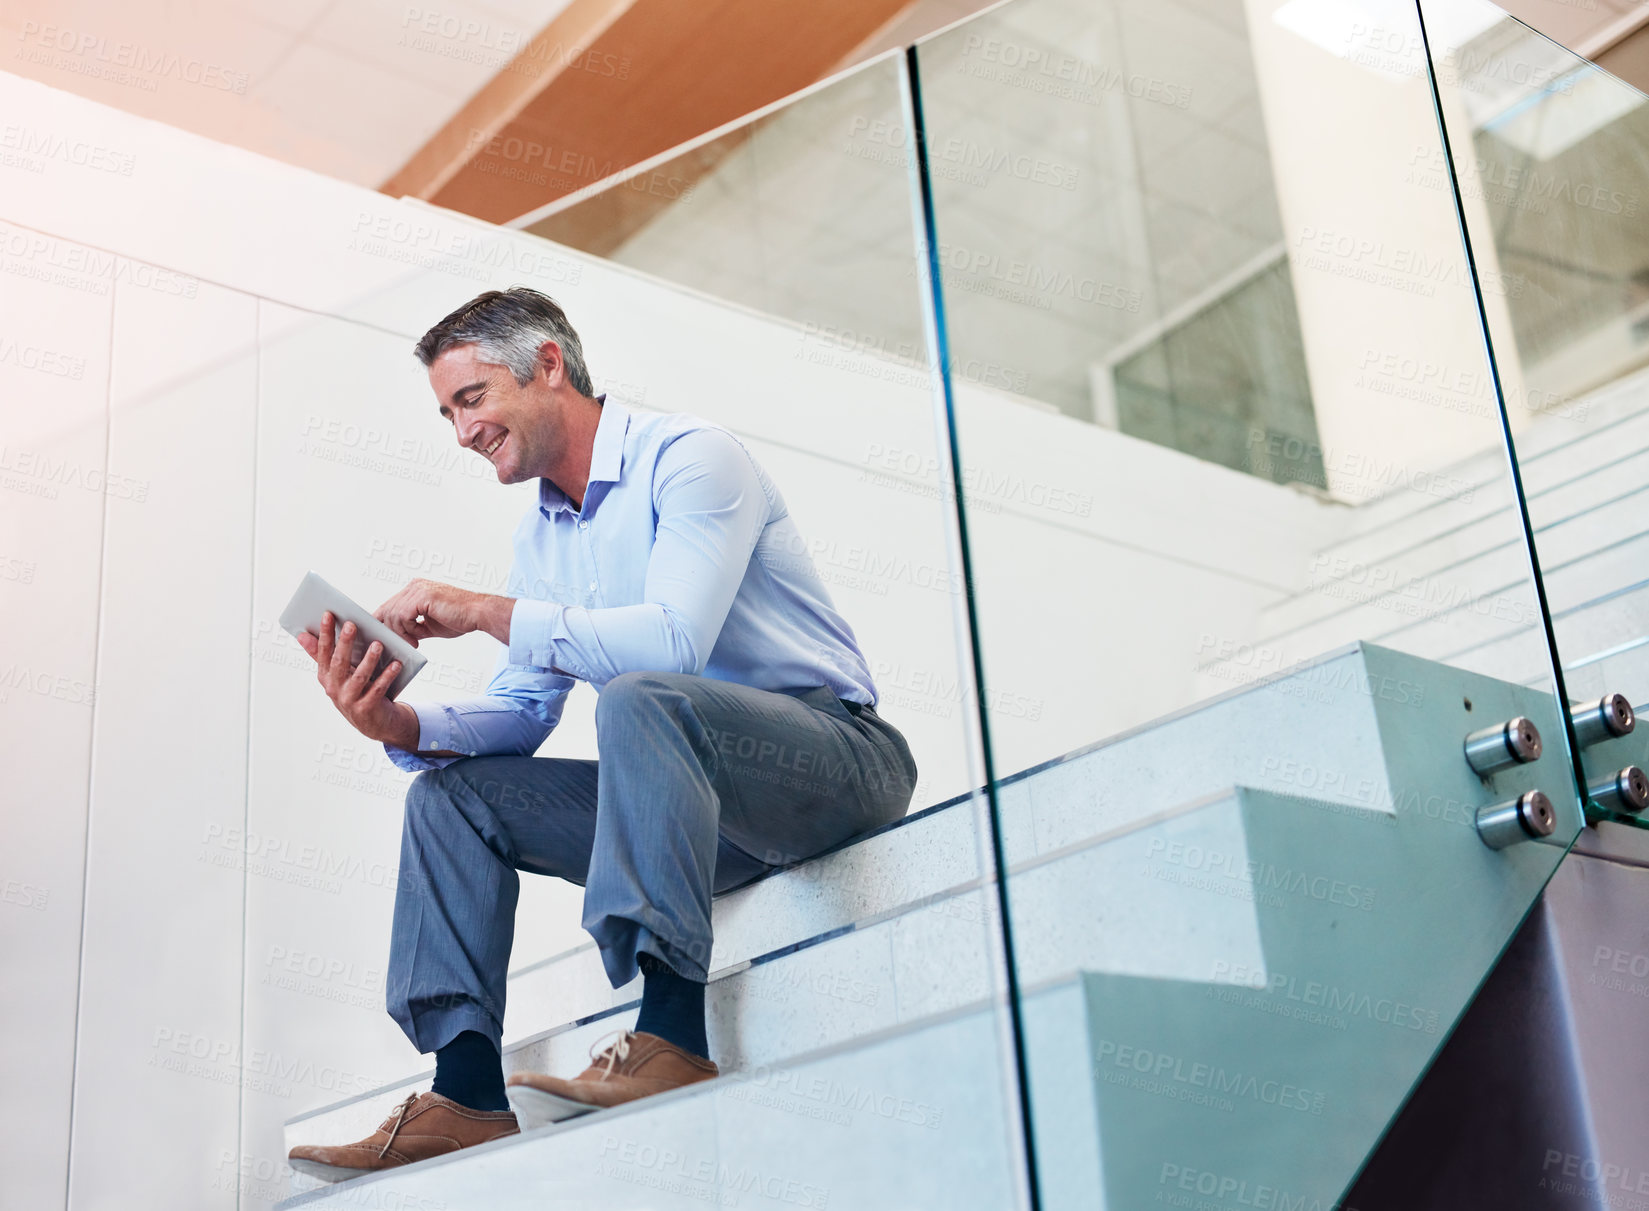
(1310, 828)
(1444, 576)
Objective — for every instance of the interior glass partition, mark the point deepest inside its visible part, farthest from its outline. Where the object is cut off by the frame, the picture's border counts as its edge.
(799, 211)
(766, 281)
(1548, 153)
(1279, 759)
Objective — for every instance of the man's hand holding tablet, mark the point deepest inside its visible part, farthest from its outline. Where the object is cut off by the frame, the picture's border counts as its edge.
(360, 696)
(364, 690)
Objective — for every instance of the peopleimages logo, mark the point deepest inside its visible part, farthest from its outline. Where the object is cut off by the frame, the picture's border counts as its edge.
(957, 158)
(52, 362)
(1063, 76)
(31, 255)
(1526, 180)
(46, 684)
(1315, 994)
(1589, 1170)
(1262, 876)
(1408, 270)
(45, 473)
(440, 246)
(1182, 1181)
(370, 448)
(194, 1054)
(94, 55)
(45, 145)
(308, 865)
(705, 1179)
(1415, 596)
(1353, 472)
(971, 157)
(473, 41)
(983, 483)
(17, 569)
(1171, 1075)
(841, 1100)
(24, 895)
(267, 1179)
(1040, 283)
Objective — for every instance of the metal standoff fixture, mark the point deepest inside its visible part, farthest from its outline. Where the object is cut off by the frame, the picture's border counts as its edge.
(1525, 818)
(1608, 717)
(1515, 742)
(1626, 791)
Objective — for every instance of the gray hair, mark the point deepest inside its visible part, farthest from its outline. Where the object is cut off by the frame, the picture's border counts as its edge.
(508, 327)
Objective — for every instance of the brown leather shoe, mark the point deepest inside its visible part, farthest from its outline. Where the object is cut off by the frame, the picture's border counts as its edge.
(635, 1065)
(424, 1125)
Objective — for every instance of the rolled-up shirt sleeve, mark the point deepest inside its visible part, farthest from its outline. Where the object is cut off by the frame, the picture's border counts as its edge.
(712, 506)
(519, 708)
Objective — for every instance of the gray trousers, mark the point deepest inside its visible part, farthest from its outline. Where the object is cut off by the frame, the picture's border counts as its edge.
(701, 786)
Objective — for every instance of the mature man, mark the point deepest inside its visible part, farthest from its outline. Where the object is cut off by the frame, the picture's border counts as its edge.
(735, 727)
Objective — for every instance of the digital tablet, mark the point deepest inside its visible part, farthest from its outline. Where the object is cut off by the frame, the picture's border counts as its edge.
(315, 596)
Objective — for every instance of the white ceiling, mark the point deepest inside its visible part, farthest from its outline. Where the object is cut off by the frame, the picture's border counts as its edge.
(350, 88)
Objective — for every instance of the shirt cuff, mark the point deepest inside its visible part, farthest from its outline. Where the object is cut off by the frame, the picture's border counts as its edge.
(533, 625)
(434, 735)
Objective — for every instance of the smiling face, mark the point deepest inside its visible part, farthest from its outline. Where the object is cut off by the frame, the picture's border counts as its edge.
(514, 427)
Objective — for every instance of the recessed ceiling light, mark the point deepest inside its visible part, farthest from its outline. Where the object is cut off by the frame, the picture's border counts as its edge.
(1383, 36)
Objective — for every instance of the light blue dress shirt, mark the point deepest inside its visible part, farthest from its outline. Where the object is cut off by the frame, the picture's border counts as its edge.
(683, 559)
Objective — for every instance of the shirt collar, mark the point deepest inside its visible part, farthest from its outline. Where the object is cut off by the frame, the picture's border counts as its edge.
(606, 458)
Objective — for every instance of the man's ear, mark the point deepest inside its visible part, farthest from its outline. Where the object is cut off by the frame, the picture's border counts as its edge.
(549, 357)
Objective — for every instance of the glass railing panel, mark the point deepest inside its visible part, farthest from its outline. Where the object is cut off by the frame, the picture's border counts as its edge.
(856, 999)
(1243, 590)
(793, 212)
(1551, 156)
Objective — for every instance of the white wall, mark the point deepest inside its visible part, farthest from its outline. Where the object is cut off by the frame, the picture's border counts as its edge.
(1387, 311)
(51, 534)
(250, 368)
(161, 948)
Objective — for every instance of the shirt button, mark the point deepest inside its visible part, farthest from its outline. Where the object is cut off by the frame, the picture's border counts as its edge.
(592, 586)
(583, 525)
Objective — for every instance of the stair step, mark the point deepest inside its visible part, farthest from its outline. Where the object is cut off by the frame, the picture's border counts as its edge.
(1622, 668)
(1378, 600)
(1167, 968)
(1588, 517)
(1587, 491)
(1578, 519)
(1074, 828)
(1550, 450)
(1321, 707)
(911, 1117)
(1288, 1083)
(1604, 461)
(920, 856)
(1595, 636)
(1596, 603)
(1056, 804)
(1481, 613)
(925, 962)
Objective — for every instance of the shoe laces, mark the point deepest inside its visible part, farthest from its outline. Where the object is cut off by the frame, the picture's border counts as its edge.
(614, 1053)
(396, 1118)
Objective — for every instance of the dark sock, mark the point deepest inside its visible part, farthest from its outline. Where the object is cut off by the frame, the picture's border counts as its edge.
(672, 1007)
(469, 1071)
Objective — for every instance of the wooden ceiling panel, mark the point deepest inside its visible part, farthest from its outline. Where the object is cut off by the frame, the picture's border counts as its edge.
(611, 82)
